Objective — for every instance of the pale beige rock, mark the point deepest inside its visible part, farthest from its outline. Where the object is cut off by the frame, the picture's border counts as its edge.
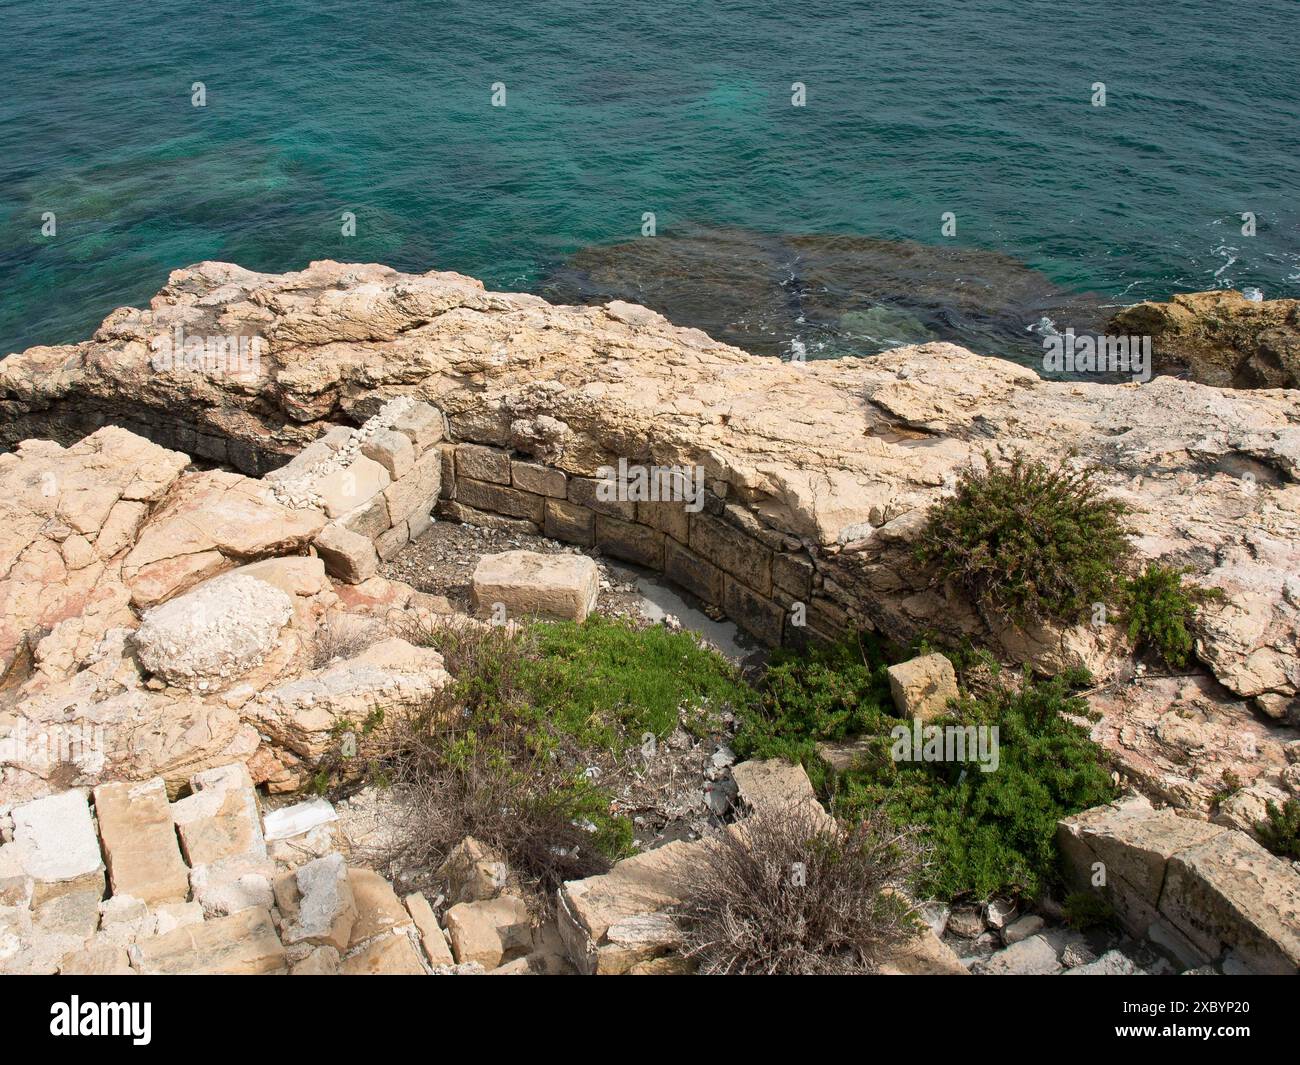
(349, 556)
(644, 884)
(431, 935)
(55, 845)
(379, 910)
(139, 842)
(213, 634)
(322, 961)
(243, 943)
(472, 872)
(318, 906)
(348, 487)
(922, 687)
(489, 931)
(529, 584)
(391, 955)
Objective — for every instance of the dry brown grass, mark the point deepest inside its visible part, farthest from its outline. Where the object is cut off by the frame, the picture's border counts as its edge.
(791, 894)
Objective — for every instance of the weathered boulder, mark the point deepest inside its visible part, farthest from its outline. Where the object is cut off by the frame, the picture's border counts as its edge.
(528, 584)
(1221, 338)
(489, 931)
(472, 872)
(922, 687)
(214, 633)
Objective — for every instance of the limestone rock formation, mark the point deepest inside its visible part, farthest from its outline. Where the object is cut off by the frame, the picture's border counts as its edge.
(1220, 338)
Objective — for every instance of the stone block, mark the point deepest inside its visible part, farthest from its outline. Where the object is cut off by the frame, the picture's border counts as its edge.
(562, 587)
(757, 615)
(482, 464)
(538, 479)
(693, 573)
(394, 451)
(348, 556)
(348, 487)
(569, 522)
(139, 842)
(733, 552)
(501, 499)
(626, 540)
(922, 687)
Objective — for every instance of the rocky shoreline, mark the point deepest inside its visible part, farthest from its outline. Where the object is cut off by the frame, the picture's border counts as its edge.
(151, 592)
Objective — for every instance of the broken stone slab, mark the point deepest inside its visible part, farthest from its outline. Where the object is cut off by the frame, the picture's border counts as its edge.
(773, 784)
(317, 904)
(293, 574)
(472, 872)
(421, 423)
(232, 884)
(432, 937)
(347, 487)
(529, 584)
(214, 633)
(394, 451)
(348, 556)
(322, 961)
(646, 883)
(220, 820)
(391, 955)
(139, 841)
(102, 959)
(1229, 893)
(922, 687)
(490, 931)
(243, 943)
(56, 845)
(1130, 847)
(379, 910)
(1034, 956)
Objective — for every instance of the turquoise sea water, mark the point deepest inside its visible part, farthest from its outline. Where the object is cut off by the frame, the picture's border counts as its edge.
(777, 225)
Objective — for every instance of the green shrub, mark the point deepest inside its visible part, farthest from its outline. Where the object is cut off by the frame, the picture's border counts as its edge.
(1086, 909)
(1280, 833)
(989, 833)
(1028, 541)
(827, 692)
(1159, 608)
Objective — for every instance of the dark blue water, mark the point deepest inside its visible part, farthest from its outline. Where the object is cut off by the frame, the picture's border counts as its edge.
(818, 225)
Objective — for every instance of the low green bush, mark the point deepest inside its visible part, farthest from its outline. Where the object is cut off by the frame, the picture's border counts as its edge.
(1084, 910)
(989, 833)
(1028, 541)
(1158, 609)
(1280, 831)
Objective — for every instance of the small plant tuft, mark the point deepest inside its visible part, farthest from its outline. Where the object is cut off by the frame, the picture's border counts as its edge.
(1159, 607)
(1085, 910)
(1280, 832)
